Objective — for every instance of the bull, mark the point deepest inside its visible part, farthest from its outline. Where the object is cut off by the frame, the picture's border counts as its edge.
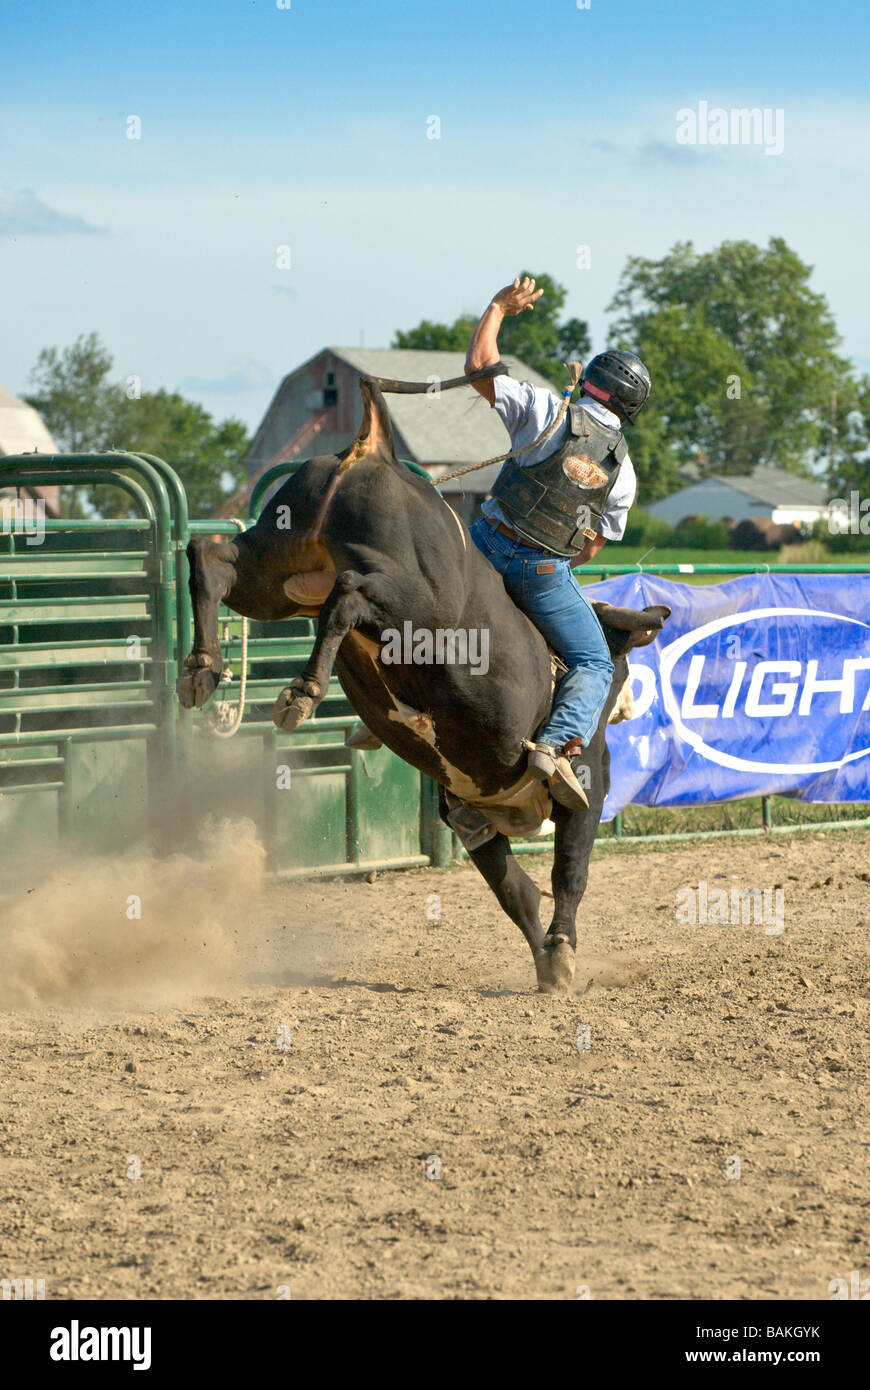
(364, 544)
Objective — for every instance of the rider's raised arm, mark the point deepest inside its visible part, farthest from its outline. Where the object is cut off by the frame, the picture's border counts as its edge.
(483, 348)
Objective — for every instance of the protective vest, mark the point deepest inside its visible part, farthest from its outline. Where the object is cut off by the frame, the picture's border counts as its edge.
(556, 503)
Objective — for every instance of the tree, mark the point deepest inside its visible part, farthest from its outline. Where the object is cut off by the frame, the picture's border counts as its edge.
(73, 396)
(743, 357)
(86, 413)
(206, 456)
(437, 337)
(849, 469)
(850, 458)
(537, 338)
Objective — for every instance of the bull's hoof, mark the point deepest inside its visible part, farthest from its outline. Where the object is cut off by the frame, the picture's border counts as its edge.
(197, 683)
(555, 967)
(295, 704)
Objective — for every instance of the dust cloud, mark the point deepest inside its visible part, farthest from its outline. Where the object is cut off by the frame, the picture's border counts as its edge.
(135, 927)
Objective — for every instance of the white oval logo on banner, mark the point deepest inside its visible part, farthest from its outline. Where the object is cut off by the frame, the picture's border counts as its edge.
(671, 654)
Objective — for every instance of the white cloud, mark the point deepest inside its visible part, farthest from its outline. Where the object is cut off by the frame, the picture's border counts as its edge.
(24, 214)
(254, 376)
(184, 291)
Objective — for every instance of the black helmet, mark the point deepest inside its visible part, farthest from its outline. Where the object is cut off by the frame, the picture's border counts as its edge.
(620, 381)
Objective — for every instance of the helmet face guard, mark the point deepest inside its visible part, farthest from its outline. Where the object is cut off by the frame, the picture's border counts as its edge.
(620, 381)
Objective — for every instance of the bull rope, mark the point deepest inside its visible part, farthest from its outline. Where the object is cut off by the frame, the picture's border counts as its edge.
(223, 706)
(574, 370)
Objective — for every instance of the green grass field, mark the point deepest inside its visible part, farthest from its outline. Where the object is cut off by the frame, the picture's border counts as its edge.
(733, 815)
(636, 554)
(632, 554)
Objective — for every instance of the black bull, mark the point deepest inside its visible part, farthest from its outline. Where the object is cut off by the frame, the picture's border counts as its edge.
(385, 548)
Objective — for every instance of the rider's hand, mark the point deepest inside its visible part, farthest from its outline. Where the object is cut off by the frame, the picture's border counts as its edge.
(513, 299)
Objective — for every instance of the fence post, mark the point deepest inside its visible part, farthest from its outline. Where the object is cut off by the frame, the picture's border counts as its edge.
(436, 838)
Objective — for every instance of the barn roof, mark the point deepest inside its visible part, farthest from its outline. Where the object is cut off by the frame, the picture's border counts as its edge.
(443, 432)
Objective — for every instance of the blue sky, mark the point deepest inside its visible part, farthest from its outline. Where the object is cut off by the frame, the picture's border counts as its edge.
(307, 127)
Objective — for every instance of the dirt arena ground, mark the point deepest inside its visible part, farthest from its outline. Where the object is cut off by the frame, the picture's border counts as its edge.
(289, 1067)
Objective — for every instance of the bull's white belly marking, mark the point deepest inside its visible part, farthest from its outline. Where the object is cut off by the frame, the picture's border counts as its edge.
(624, 706)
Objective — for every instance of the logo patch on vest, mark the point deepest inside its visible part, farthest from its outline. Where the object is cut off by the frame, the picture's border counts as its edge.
(582, 470)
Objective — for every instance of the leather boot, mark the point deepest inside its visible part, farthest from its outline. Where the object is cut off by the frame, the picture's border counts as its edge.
(549, 764)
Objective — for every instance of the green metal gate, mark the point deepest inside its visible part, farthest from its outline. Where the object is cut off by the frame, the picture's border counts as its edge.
(87, 668)
(94, 748)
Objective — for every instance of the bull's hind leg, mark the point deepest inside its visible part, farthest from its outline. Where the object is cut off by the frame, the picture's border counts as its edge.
(575, 840)
(518, 896)
(355, 599)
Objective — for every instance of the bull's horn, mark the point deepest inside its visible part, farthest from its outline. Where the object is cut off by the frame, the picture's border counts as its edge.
(375, 435)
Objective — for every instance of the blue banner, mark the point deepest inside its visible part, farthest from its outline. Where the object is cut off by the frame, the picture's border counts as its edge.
(758, 685)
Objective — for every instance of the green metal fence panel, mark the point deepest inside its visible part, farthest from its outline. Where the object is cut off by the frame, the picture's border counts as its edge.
(339, 810)
(87, 658)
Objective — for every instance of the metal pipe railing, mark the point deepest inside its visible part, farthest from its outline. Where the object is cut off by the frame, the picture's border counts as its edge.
(737, 568)
(159, 495)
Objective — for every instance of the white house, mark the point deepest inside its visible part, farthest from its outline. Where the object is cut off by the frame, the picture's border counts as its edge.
(768, 492)
(21, 432)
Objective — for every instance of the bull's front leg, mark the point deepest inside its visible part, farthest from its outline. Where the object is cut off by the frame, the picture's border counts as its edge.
(212, 576)
(574, 842)
(355, 599)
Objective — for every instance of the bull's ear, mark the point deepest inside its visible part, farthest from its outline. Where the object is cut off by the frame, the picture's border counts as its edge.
(375, 435)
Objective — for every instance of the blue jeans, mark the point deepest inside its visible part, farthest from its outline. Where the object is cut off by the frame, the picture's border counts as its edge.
(543, 586)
